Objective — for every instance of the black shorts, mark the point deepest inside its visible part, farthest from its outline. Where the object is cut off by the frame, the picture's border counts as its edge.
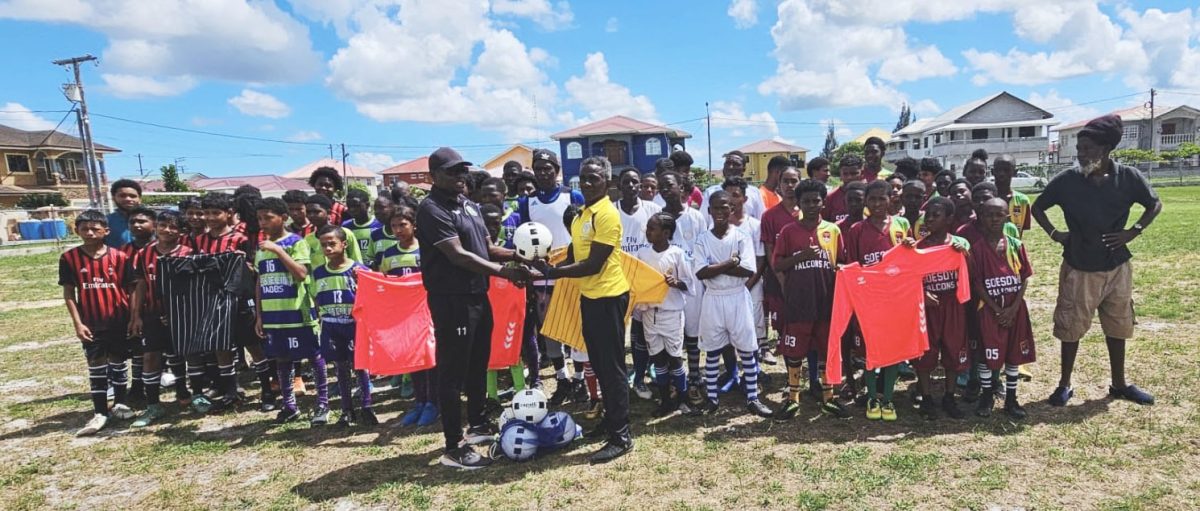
(156, 337)
(110, 342)
(243, 327)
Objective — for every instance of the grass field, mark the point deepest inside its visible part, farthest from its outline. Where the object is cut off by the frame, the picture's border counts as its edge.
(1094, 454)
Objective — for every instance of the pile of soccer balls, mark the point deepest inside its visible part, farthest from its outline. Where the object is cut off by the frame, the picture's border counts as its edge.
(527, 427)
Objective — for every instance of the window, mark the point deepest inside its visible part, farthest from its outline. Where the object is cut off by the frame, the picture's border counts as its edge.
(952, 135)
(916, 144)
(1129, 132)
(68, 168)
(937, 138)
(981, 134)
(18, 163)
(574, 151)
(653, 147)
(1027, 131)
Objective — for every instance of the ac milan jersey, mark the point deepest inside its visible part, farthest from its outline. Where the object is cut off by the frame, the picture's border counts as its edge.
(773, 222)
(808, 286)
(231, 241)
(145, 268)
(866, 243)
(895, 332)
(133, 247)
(98, 282)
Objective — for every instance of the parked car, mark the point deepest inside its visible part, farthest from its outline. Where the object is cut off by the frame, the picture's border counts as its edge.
(1026, 180)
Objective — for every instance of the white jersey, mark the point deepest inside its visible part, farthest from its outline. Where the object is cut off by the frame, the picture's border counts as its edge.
(633, 227)
(754, 207)
(689, 226)
(673, 262)
(550, 214)
(751, 227)
(713, 250)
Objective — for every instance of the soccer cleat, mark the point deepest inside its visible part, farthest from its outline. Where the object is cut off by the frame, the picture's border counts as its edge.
(122, 412)
(888, 412)
(406, 388)
(709, 407)
(410, 418)
(760, 409)
(562, 391)
(666, 405)
(595, 410)
(481, 434)
(464, 458)
(768, 358)
(688, 410)
(961, 380)
(367, 417)
(787, 411)
(581, 394)
(642, 391)
(167, 380)
(345, 420)
(984, 407)
(973, 390)
(835, 409)
(612, 450)
(1013, 408)
(320, 417)
(201, 404)
(874, 411)
(224, 404)
(429, 415)
(847, 392)
(906, 372)
(950, 406)
(1061, 395)
(916, 401)
(732, 382)
(268, 403)
(1132, 393)
(1024, 373)
(153, 411)
(926, 408)
(93, 426)
(286, 415)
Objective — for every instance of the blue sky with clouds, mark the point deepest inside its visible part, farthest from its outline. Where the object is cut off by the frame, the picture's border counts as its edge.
(392, 79)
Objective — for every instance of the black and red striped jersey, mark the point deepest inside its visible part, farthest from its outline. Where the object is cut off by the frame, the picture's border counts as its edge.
(145, 267)
(99, 285)
(231, 241)
(307, 229)
(337, 213)
(133, 247)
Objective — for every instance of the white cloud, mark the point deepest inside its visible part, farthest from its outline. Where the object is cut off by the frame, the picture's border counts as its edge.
(840, 130)
(730, 115)
(259, 104)
(743, 12)
(612, 25)
(601, 98)
(549, 16)
(16, 115)
(305, 136)
(173, 42)
(373, 161)
(926, 62)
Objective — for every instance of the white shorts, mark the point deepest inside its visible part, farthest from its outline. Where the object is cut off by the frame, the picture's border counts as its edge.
(727, 319)
(760, 318)
(691, 311)
(664, 331)
(579, 356)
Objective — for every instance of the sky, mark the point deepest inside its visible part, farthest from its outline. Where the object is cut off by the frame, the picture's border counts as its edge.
(241, 87)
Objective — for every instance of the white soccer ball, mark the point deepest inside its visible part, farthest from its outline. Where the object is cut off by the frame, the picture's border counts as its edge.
(532, 240)
(506, 416)
(529, 405)
(519, 440)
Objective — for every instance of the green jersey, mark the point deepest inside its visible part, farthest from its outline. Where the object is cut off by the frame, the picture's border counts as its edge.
(285, 301)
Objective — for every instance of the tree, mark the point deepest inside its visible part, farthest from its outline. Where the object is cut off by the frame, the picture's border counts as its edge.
(1184, 151)
(357, 185)
(905, 118)
(39, 200)
(1134, 155)
(849, 148)
(831, 144)
(170, 179)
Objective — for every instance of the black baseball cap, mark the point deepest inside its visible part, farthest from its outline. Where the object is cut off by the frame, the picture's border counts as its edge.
(445, 158)
(547, 155)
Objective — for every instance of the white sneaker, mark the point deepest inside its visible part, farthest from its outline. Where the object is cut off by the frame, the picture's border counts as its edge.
(120, 411)
(93, 426)
(642, 391)
(167, 380)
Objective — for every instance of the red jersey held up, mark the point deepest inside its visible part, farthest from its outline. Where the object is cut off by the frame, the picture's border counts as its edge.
(897, 332)
(393, 328)
(98, 281)
(508, 321)
(145, 267)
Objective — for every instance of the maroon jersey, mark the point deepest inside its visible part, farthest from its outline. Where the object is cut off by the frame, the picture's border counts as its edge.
(1002, 276)
(866, 244)
(773, 222)
(145, 268)
(99, 290)
(970, 232)
(336, 213)
(835, 205)
(808, 286)
(232, 241)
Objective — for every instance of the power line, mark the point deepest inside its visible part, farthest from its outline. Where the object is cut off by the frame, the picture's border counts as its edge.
(210, 133)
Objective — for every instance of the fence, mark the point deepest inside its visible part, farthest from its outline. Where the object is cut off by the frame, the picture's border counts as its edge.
(1175, 173)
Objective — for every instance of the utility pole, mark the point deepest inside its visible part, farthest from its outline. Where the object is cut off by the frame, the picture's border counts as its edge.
(344, 155)
(331, 151)
(141, 171)
(97, 180)
(708, 127)
(1153, 130)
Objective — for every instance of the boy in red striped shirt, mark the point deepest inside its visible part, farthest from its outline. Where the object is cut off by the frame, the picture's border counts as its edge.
(92, 276)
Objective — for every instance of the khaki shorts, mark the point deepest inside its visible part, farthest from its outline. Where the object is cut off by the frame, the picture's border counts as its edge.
(1082, 293)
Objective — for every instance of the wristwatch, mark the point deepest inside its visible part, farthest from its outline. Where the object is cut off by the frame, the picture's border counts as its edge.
(1138, 228)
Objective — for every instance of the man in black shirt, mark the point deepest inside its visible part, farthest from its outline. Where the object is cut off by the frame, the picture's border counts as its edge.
(456, 261)
(1095, 198)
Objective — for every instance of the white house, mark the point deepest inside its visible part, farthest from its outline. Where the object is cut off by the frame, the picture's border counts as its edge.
(999, 123)
(1174, 125)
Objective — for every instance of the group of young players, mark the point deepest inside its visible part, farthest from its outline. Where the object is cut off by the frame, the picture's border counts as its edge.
(740, 261)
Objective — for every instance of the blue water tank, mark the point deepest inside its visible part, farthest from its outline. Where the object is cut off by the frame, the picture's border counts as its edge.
(30, 229)
(55, 229)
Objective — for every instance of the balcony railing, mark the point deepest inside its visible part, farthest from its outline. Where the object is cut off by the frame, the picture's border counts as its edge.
(1174, 140)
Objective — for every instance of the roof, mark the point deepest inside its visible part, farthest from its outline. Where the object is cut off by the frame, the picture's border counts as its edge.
(771, 146)
(953, 115)
(883, 134)
(417, 166)
(45, 139)
(351, 170)
(519, 152)
(265, 183)
(619, 124)
(15, 190)
(1137, 113)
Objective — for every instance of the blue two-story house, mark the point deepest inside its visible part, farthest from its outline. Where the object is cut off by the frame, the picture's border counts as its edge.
(624, 141)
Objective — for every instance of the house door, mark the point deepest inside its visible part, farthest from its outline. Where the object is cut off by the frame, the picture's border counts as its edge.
(615, 151)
